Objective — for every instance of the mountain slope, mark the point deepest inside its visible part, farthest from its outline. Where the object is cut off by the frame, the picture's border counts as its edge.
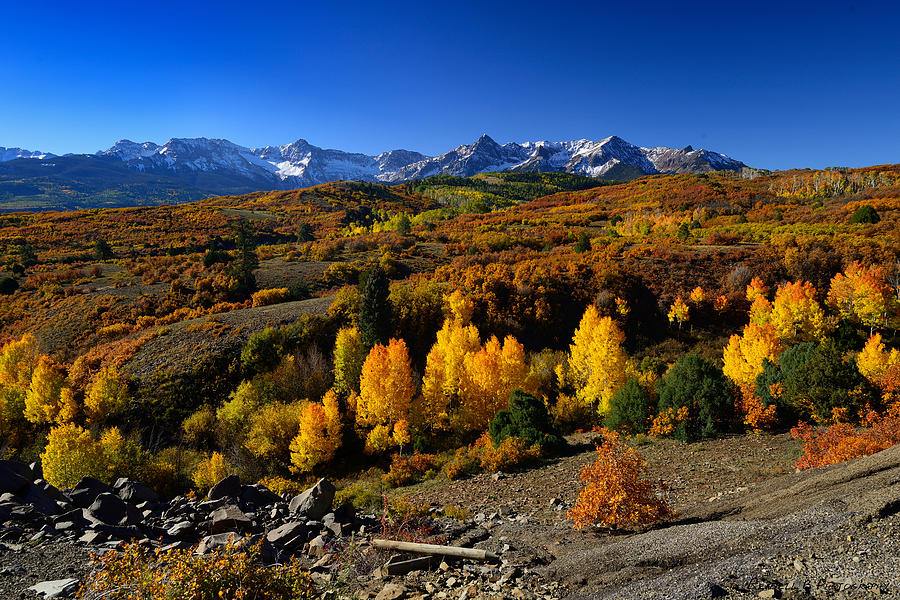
(189, 168)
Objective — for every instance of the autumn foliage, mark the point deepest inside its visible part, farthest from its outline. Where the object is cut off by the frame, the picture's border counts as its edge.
(616, 494)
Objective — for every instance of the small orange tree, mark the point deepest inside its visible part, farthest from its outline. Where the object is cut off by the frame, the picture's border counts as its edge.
(616, 495)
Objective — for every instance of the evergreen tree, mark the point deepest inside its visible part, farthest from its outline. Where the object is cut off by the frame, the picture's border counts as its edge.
(247, 259)
(374, 308)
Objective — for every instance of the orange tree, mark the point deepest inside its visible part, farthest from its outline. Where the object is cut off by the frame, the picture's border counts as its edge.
(616, 494)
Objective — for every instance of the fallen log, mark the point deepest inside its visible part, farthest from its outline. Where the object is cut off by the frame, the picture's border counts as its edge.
(436, 550)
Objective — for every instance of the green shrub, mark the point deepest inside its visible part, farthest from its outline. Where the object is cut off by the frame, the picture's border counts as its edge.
(701, 387)
(631, 409)
(526, 417)
(814, 380)
(865, 214)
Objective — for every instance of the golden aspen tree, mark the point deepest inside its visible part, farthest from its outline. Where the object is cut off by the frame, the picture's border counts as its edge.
(444, 367)
(756, 289)
(70, 454)
(272, 428)
(349, 355)
(874, 360)
(45, 401)
(743, 356)
(18, 360)
(862, 294)
(796, 315)
(319, 436)
(386, 387)
(597, 360)
(698, 295)
(107, 394)
(679, 312)
(490, 376)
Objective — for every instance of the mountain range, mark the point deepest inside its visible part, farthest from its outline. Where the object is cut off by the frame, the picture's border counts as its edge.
(185, 168)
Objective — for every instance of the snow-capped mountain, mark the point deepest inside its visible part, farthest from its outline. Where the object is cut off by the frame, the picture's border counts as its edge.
(302, 164)
(183, 169)
(14, 153)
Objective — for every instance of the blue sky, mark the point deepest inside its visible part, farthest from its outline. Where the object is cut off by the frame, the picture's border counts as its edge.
(775, 86)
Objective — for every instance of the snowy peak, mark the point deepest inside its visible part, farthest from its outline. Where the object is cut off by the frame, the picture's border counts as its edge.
(299, 164)
(14, 153)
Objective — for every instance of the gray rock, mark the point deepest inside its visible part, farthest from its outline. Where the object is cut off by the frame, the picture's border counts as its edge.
(93, 538)
(59, 588)
(12, 481)
(37, 497)
(213, 542)
(230, 487)
(229, 518)
(258, 495)
(110, 509)
(136, 492)
(315, 502)
(181, 530)
(289, 536)
(318, 547)
(86, 491)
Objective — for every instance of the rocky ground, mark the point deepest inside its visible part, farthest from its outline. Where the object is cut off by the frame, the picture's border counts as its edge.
(748, 527)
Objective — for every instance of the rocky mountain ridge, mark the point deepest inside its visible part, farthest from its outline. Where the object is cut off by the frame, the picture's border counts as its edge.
(301, 164)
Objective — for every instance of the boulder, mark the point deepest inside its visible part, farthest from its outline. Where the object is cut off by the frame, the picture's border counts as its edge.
(86, 491)
(37, 497)
(135, 492)
(230, 487)
(229, 518)
(181, 530)
(258, 495)
(289, 536)
(213, 542)
(314, 503)
(11, 481)
(110, 509)
(59, 588)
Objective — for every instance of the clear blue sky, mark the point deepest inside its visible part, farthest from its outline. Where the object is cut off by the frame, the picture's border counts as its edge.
(774, 85)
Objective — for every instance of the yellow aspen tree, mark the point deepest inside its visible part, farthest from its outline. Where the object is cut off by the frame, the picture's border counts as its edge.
(386, 387)
(743, 356)
(756, 289)
(862, 294)
(107, 394)
(760, 310)
(18, 360)
(349, 354)
(491, 374)
(698, 295)
(796, 315)
(874, 360)
(70, 454)
(679, 312)
(44, 400)
(272, 428)
(460, 306)
(597, 360)
(444, 368)
(319, 437)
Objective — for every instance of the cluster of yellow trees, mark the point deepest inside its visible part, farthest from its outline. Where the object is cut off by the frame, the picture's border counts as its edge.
(35, 391)
(376, 395)
(860, 294)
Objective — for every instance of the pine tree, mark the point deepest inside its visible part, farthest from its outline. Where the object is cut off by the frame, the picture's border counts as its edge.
(374, 308)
